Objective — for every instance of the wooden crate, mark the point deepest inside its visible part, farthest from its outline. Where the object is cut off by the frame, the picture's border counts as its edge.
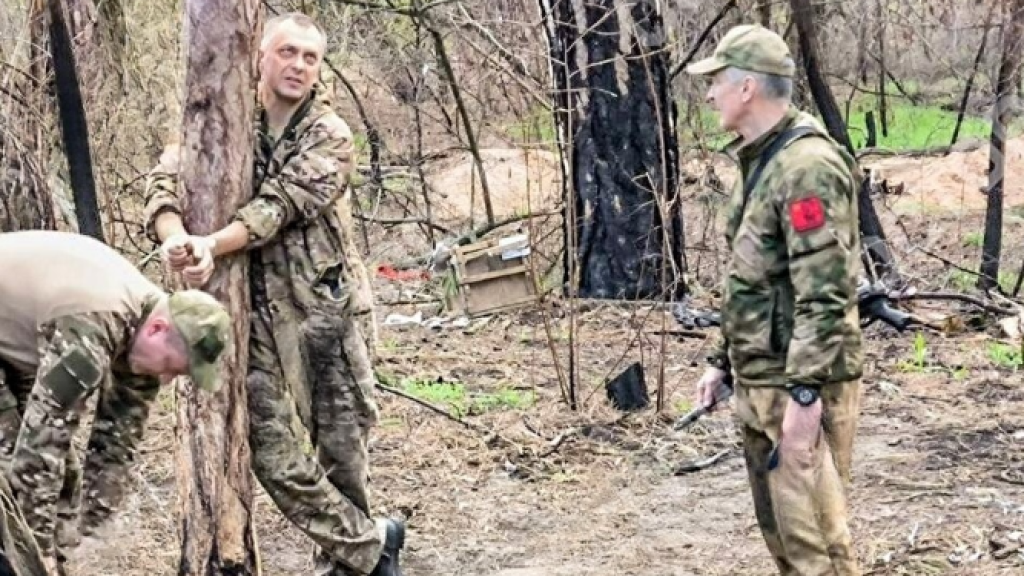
(492, 276)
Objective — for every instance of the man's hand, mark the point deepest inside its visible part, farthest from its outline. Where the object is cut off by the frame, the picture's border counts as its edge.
(175, 253)
(708, 385)
(201, 249)
(801, 430)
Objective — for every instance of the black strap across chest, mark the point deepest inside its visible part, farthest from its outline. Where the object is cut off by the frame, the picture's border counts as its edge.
(766, 156)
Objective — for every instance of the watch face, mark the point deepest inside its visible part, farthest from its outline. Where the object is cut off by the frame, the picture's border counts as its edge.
(805, 396)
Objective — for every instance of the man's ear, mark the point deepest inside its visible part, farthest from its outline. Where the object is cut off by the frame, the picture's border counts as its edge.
(157, 325)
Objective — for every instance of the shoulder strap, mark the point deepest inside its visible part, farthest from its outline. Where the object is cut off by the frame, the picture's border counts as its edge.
(781, 142)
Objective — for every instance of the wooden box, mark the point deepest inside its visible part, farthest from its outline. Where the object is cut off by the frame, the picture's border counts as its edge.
(492, 276)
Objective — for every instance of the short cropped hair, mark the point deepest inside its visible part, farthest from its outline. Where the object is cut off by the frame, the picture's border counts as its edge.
(299, 19)
(775, 87)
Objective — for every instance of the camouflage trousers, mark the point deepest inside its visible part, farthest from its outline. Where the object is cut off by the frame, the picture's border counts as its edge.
(801, 505)
(322, 493)
(60, 497)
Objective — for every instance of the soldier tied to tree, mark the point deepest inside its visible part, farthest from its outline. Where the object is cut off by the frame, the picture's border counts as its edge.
(312, 328)
(77, 319)
(791, 335)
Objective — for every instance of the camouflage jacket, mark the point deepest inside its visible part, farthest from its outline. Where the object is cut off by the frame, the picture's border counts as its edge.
(302, 252)
(789, 306)
(299, 220)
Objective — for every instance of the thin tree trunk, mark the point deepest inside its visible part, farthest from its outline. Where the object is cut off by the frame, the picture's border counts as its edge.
(764, 12)
(474, 147)
(215, 486)
(872, 234)
(883, 116)
(970, 79)
(1006, 86)
(74, 126)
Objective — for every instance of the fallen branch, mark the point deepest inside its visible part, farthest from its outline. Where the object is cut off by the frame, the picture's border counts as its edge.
(954, 296)
(396, 221)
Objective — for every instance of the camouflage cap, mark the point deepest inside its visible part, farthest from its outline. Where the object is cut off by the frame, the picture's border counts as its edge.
(204, 324)
(748, 47)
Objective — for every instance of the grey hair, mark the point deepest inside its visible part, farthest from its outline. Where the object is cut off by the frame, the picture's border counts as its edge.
(775, 87)
(301, 20)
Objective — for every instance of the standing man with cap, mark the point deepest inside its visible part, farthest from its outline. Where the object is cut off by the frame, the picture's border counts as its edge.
(790, 326)
(76, 318)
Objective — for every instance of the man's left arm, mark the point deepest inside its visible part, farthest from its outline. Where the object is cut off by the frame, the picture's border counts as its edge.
(306, 187)
(76, 353)
(121, 415)
(820, 228)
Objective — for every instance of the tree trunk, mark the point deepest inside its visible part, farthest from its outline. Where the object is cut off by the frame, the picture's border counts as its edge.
(616, 125)
(764, 13)
(1006, 86)
(978, 56)
(872, 235)
(215, 486)
(883, 115)
(74, 126)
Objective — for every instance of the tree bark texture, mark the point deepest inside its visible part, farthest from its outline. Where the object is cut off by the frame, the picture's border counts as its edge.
(215, 486)
(616, 125)
(872, 234)
(1006, 86)
(74, 126)
(99, 33)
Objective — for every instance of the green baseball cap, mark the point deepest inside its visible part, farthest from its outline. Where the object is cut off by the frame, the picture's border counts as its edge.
(749, 47)
(204, 324)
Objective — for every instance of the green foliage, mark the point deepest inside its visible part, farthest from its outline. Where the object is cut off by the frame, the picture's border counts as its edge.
(973, 239)
(919, 356)
(453, 395)
(537, 127)
(911, 126)
(1005, 356)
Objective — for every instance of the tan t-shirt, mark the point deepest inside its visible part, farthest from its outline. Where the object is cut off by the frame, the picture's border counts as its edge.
(46, 275)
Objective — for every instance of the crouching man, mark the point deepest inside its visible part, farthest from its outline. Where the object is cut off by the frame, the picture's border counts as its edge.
(77, 318)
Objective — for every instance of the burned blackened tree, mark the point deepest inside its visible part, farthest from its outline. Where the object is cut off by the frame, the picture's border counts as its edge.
(1007, 84)
(616, 125)
(872, 234)
(73, 124)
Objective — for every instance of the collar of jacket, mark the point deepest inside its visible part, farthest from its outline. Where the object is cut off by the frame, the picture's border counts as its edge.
(318, 98)
(745, 154)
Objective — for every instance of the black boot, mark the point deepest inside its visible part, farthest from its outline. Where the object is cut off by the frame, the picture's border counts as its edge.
(395, 540)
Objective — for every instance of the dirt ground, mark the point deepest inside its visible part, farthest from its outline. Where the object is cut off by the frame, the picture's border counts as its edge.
(545, 491)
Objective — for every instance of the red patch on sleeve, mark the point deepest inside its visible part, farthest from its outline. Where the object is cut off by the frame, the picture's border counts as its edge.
(807, 214)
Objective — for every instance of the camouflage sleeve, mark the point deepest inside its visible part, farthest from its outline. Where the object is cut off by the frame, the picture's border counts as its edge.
(307, 185)
(121, 414)
(75, 357)
(162, 190)
(819, 222)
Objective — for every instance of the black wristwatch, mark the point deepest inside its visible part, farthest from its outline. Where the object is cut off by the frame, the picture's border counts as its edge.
(804, 395)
